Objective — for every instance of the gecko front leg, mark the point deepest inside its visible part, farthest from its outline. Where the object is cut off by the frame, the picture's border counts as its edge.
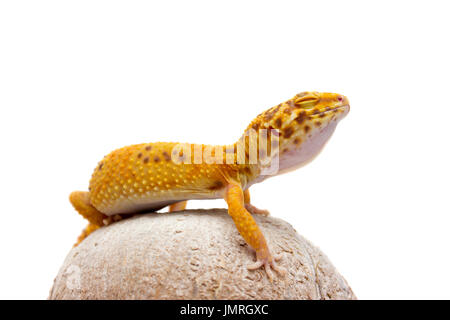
(251, 208)
(249, 230)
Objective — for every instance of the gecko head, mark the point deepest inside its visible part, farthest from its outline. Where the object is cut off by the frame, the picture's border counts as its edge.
(304, 124)
(319, 105)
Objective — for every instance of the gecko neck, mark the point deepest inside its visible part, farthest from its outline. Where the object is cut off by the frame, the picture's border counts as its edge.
(292, 154)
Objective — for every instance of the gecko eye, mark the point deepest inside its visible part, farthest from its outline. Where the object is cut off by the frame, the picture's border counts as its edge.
(305, 100)
(340, 98)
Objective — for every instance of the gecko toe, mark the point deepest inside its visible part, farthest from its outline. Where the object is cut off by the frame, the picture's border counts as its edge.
(282, 271)
(269, 264)
(254, 210)
(278, 257)
(268, 271)
(255, 265)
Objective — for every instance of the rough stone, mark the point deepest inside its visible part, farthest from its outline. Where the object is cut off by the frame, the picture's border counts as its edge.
(193, 254)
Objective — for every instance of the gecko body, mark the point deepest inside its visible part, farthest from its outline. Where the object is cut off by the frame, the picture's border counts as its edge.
(150, 176)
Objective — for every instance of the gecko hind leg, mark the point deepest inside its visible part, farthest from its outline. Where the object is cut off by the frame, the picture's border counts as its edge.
(80, 201)
(250, 231)
(178, 206)
(251, 208)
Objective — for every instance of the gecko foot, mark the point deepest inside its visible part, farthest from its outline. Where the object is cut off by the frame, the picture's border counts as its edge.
(254, 210)
(268, 263)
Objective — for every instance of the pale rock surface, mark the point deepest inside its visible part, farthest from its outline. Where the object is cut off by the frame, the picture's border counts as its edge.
(193, 254)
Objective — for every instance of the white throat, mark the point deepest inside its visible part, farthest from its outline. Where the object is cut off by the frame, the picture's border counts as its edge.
(297, 157)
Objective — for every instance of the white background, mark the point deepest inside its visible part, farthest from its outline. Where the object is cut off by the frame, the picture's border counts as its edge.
(81, 78)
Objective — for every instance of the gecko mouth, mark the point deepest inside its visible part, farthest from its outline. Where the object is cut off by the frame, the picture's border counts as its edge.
(345, 108)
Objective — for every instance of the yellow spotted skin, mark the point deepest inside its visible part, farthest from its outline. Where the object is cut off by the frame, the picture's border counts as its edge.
(139, 177)
(149, 176)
